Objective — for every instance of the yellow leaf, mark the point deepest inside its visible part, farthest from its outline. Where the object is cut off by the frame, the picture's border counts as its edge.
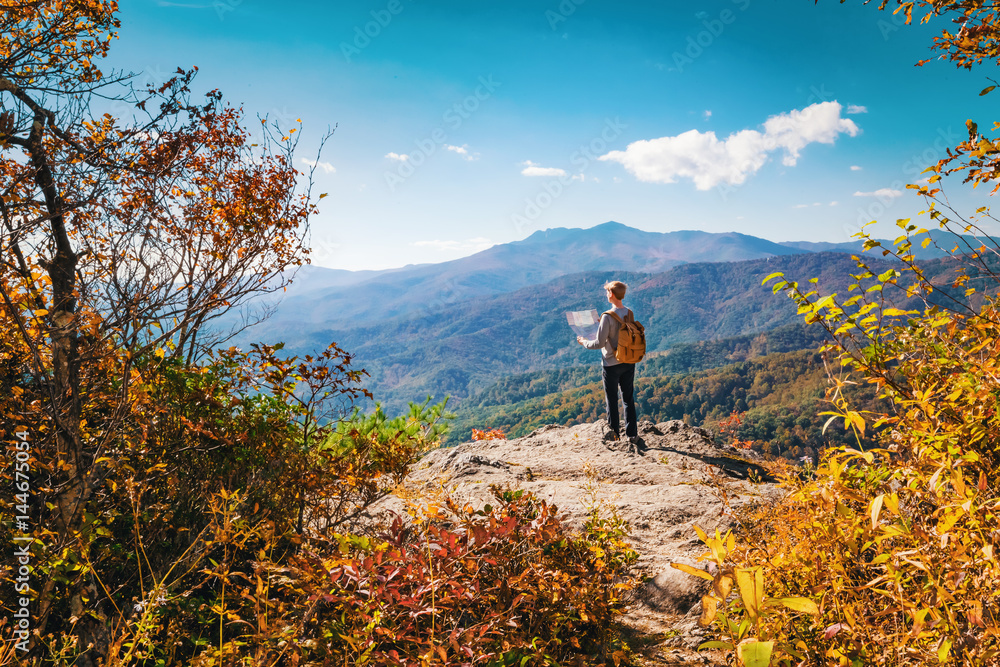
(859, 422)
(948, 520)
(693, 571)
(723, 585)
(752, 653)
(708, 606)
(804, 605)
(876, 508)
(892, 502)
(747, 583)
(944, 649)
(958, 483)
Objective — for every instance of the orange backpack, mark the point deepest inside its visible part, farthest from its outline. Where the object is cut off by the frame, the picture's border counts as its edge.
(631, 339)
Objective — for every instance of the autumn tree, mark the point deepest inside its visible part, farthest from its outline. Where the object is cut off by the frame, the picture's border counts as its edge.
(198, 504)
(121, 238)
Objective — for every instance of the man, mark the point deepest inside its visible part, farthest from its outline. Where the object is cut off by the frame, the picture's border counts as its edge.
(614, 373)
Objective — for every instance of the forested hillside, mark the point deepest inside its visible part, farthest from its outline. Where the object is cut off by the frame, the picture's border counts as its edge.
(778, 399)
(463, 348)
(683, 358)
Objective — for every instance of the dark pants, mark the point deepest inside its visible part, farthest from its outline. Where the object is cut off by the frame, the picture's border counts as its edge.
(623, 376)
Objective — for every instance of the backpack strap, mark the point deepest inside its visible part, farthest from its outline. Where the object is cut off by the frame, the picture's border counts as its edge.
(628, 316)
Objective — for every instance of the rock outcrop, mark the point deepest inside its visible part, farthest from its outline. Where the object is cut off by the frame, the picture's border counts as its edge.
(676, 478)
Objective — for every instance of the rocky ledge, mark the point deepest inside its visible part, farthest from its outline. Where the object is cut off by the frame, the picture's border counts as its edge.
(677, 477)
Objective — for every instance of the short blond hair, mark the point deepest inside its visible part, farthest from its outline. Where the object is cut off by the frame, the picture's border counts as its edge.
(617, 288)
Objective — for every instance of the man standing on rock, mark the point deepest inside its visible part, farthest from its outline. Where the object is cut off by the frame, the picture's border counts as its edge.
(614, 373)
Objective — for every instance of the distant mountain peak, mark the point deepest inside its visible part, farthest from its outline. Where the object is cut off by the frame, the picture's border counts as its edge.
(561, 232)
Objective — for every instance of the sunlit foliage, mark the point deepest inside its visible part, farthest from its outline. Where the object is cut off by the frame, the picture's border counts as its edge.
(186, 503)
(887, 556)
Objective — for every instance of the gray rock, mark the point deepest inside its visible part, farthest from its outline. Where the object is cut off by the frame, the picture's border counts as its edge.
(663, 490)
(674, 592)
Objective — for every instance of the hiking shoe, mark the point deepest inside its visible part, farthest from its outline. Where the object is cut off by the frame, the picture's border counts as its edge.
(635, 442)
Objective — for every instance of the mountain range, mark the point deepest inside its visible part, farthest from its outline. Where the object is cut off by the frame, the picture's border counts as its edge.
(457, 327)
(373, 296)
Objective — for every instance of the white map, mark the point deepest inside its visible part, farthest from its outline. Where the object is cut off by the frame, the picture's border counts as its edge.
(584, 323)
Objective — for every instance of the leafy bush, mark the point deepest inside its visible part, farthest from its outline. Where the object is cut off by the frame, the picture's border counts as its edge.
(505, 584)
(889, 556)
(891, 553)
(234, 527)
(178, 503)
(499, 585)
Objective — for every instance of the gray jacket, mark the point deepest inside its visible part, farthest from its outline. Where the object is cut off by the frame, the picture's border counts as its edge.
(607, 337)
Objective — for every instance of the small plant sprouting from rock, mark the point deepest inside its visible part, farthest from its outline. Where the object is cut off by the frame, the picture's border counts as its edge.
(491, 434)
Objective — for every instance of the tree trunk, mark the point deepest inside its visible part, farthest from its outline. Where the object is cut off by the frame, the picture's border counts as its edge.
(66, 407)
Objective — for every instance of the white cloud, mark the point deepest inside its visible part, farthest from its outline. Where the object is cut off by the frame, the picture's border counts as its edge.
(814, 204)
(397, 156)
(706, 114)
(856, 108)
(325, 166)
(469, 245)
(855, 167)
(532, 169)
(709, 161)
(882, 193)
(462, 150)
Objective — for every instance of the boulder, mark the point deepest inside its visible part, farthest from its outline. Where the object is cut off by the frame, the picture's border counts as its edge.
(677, 477)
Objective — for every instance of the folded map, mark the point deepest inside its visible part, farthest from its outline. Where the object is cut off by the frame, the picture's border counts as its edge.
(584, 323)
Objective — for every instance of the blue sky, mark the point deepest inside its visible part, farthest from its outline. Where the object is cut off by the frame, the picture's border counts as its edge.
(464, 124)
